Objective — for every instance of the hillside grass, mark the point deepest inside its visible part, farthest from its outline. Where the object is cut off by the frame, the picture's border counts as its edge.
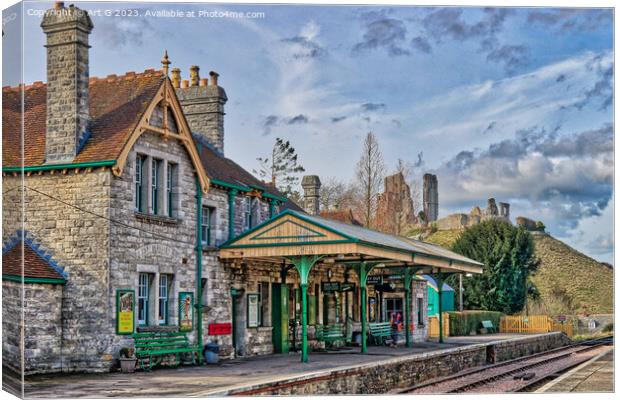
(569, 282)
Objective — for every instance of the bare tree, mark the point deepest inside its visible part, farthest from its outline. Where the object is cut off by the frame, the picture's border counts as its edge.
(337, 194)
(370, 173)
(282, 168)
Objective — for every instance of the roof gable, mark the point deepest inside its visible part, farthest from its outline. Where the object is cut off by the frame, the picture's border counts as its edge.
(34, 266)
(288, 228)
(119, 107)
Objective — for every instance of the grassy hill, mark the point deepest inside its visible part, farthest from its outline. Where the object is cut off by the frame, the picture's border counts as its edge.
(568, 281)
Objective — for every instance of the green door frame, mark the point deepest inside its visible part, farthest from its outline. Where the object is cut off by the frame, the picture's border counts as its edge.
(304, 265)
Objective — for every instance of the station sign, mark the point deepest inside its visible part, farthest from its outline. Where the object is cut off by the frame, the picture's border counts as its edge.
(330, 286)
(373, 279)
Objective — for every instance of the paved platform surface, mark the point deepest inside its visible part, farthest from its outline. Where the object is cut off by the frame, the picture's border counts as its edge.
(204, 380)
(595, 376)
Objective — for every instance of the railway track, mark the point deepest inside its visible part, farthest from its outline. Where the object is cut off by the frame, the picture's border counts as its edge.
(515, 375)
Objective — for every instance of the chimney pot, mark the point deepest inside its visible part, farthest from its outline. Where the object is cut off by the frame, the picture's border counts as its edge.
(194, 74)
(214, 75)
(203, 81)
(59, 5)
(185, 83)
(176, 77)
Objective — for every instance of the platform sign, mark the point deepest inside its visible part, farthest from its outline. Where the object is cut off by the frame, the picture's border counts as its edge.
(186, 311)
(373, 279)
(125, 308)
(393, 277)
(561, 318)
(253, 314)
(331, 286)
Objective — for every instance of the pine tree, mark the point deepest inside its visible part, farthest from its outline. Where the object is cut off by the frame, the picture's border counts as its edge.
(281, 168)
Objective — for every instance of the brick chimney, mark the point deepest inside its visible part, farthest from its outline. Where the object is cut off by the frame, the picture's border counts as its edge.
(67, 30)
(312, 193)
(203, 105)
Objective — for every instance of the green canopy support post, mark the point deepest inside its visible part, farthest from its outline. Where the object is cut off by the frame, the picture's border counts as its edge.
(409, 273)
(304, 265)
(439, 279)
(363, 270)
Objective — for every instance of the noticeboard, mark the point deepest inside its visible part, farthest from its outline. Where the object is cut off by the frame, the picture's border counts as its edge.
(125, 309)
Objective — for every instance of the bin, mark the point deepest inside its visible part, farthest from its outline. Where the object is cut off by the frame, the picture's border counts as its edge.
(212, 353)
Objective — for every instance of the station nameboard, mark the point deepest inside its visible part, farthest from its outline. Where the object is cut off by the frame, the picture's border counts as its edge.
(373, 279)
(330, 286)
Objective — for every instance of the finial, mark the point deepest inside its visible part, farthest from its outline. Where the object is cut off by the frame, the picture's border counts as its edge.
(165, 62)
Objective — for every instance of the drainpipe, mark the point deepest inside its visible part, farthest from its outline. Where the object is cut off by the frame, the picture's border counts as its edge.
(199, 265)
(231, 213)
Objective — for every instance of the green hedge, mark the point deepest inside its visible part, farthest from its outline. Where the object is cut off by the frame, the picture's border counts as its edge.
(462, 323)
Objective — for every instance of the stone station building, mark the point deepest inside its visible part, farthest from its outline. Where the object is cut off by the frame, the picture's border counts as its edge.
(119, 205)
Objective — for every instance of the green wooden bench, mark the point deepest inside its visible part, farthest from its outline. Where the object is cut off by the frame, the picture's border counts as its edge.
(330, 333)
(379, 331)
(154, 346)
(488, 325)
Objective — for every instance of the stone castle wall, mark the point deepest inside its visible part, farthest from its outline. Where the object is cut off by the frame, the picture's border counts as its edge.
(77, 240)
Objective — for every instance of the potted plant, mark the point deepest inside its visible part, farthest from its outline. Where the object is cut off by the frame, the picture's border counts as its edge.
(128, 361)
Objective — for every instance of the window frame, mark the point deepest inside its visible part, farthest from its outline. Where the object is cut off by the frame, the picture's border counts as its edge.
(155, 184)
(165, 298)
(143, 299)
(139, 182)
(206, 228)
(171, 170)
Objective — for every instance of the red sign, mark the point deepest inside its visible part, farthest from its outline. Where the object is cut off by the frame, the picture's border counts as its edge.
(220, 329)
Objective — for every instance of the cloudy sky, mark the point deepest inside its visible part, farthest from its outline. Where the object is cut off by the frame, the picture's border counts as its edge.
(511, 103)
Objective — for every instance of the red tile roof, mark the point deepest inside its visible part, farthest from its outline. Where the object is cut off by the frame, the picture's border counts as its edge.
(115, 105)
(345, 216)
(34, 266)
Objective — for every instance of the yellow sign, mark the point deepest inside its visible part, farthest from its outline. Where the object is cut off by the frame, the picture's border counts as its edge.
(125, 306)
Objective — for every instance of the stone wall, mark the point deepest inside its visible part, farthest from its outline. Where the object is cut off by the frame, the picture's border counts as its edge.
(11, 325)
(42, 326)
(401, 372)
(77, 239)
(154, 244)
(395, 212)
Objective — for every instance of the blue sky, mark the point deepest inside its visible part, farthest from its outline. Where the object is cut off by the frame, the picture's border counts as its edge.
(511, 103)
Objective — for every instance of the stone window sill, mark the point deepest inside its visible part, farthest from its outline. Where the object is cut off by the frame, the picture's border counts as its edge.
(263, 328)
(156, 219)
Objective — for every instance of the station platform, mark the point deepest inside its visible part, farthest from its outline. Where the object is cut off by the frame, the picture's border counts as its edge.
(228, 375)
(594, 376)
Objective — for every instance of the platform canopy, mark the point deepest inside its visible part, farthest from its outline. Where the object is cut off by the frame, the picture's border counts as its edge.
(305, 240)
(294, 234)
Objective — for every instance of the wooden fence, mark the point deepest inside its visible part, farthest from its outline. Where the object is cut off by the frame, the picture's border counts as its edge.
(533, 324)
(433, 326)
